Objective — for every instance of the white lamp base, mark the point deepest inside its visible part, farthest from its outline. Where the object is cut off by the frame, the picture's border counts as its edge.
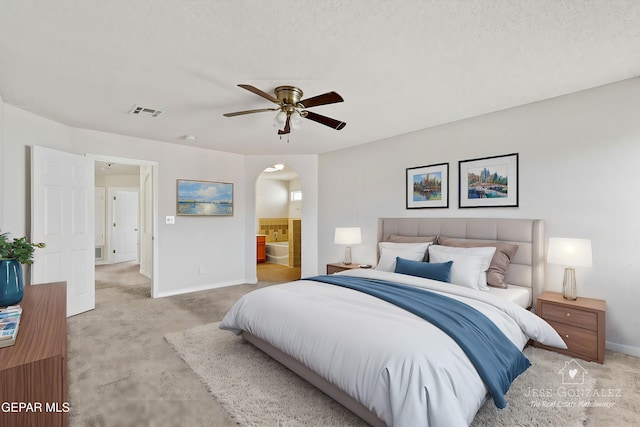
(347, 255)
(569, 284)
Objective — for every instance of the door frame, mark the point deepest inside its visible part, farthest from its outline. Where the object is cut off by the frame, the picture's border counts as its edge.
(256, 214)
(155, 280)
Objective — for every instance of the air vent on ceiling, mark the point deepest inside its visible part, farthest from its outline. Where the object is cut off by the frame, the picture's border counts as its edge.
(145, 111)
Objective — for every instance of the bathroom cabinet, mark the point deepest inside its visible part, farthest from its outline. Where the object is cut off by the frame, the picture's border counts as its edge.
(261, 249)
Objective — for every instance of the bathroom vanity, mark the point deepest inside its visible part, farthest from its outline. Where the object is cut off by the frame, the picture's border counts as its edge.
(261, 248)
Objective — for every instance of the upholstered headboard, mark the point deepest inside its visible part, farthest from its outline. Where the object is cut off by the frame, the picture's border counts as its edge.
(527, 266)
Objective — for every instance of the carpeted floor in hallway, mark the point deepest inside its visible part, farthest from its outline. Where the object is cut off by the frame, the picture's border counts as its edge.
(121, 370)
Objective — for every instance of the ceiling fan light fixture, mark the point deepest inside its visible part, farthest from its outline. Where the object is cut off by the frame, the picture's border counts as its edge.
(274, 168)
(292, 108)
(280, 119)
(296, 120)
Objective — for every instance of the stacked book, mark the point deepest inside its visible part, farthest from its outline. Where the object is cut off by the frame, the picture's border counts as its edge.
(9, 322)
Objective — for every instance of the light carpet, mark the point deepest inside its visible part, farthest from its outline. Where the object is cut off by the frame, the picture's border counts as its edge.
(258, 391)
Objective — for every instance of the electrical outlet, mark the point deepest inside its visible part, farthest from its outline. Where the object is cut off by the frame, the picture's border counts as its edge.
(170, 219)
(201, 269)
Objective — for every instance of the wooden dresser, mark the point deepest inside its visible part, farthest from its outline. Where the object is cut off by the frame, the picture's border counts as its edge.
(33, 372)
(580, 323)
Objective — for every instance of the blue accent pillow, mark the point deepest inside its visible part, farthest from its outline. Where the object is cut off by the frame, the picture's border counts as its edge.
(440, 271)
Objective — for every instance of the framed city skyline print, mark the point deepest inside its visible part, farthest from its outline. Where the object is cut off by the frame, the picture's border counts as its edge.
(204, 198)
(488, 182)
(428, 186)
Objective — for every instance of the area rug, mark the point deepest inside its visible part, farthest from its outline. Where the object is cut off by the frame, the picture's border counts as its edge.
(257, 391)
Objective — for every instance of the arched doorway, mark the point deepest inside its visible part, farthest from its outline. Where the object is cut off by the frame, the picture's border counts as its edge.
(278, 224)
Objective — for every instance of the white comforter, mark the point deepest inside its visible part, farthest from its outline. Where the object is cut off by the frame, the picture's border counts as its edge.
(401, 367)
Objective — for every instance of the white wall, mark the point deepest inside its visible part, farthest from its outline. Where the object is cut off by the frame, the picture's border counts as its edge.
(215, 243)
(20, 130)
(272, 198)
(579, 157)
(295, 206)
(118, 181)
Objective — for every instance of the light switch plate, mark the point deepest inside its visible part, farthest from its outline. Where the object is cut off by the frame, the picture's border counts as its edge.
(170, 219)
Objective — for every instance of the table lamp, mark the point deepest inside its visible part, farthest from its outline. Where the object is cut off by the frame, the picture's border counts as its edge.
(347, 236)
(570, 253)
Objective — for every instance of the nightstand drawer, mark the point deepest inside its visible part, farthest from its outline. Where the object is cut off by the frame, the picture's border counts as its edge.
(569, 315)
(581, 342)
(580, 323)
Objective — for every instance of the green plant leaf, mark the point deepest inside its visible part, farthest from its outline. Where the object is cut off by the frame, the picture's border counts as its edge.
(19, 249)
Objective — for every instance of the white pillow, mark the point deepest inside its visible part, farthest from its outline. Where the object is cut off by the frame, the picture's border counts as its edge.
(469, 264)
(412, 247)
(388, 256)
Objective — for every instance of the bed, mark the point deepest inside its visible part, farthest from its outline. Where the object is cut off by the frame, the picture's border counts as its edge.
(386, 363)
(525, 275)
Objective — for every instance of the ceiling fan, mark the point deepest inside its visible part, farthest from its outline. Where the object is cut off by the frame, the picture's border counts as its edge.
(291, 109)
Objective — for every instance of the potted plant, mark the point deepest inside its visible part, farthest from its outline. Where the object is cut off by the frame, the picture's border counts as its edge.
(13, 253)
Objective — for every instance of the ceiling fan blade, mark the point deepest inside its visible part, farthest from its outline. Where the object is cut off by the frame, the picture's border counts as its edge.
(240, 113)
(260, 93)
(325, 98)
(287, 127)
(324, 120)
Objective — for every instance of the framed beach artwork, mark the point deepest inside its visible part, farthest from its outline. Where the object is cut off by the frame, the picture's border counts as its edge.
(488, 182)
(428, 186)
(204, 198)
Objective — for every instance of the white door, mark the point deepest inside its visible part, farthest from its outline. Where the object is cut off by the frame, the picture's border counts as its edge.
(100, 224)
(62, 216)
(125, 225)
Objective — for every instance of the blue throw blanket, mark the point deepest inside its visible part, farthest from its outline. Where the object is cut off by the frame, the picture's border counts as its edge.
(497, 360)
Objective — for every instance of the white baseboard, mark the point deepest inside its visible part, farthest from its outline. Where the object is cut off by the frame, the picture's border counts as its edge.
(200, 288)
(621, 348)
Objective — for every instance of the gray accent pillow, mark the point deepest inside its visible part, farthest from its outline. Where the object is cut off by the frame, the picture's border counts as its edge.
(499, 263)
(409, 239)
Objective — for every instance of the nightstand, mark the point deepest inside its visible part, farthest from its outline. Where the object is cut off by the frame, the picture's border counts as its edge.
(338, 266)
(580, 323)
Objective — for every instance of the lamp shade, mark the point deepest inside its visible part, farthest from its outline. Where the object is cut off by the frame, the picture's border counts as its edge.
(348, 235)
(569, 252)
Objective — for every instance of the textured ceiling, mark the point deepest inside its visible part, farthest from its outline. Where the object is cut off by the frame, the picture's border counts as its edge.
(400, 65)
